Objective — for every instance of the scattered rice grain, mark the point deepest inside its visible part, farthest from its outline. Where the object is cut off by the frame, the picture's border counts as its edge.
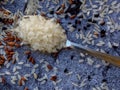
(83, 83)
(20, 63)
(90, 61)
(0, 79)
(27, 65)
(33, 71)
(69, 73)
(8, 65)
(75, 84)
(35, 75)
(16, 73)
(36, 65)
(19, 77)
(81, 61)
(2, 74)
(13, 82)
(7, 73)
(43, 82)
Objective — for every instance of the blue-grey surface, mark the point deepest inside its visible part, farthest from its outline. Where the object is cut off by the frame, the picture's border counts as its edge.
(68, 59)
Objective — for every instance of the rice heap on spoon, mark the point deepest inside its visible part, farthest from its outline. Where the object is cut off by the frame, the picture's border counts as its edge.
(41, 34)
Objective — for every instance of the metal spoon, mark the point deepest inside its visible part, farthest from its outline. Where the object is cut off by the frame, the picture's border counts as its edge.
(115, 60)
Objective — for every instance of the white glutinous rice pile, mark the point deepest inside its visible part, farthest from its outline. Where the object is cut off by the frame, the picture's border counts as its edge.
(41, 34)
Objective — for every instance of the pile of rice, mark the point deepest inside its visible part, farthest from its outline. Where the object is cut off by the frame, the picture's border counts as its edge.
(41, 34)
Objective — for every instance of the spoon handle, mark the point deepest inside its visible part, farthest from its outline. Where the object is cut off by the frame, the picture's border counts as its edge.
(115, 60)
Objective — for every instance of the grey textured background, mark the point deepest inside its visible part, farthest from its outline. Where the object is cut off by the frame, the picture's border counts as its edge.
(94, 76)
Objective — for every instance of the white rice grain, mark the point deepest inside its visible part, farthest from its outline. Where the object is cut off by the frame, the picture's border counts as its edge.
(8, 65)
(110, 12)
(13, 82)
(114, 2)
(83, 83)
(90, 61)
(35, 75)
(56, 88)
(75, 84)
(18, 67)
(20, 63)
(14, 78)
(23, 83)
(81, 61)
(27, 65)
(109, 45)
(69, 73)
(57, 61)
(19, 77)
(0, 79)
(41, 61)
(115, 44)
(2, 74)
(105, 63)
(7, 73)
(6, 62)
(36, 88)
(43, 82)
(41, 79)
(33, 71)
(58, 81)
(100, 43)
(27, 75)
(16, 73)
(97, 66)
(94, 88)
(14, 69)
(82, 55)
(36, 66)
